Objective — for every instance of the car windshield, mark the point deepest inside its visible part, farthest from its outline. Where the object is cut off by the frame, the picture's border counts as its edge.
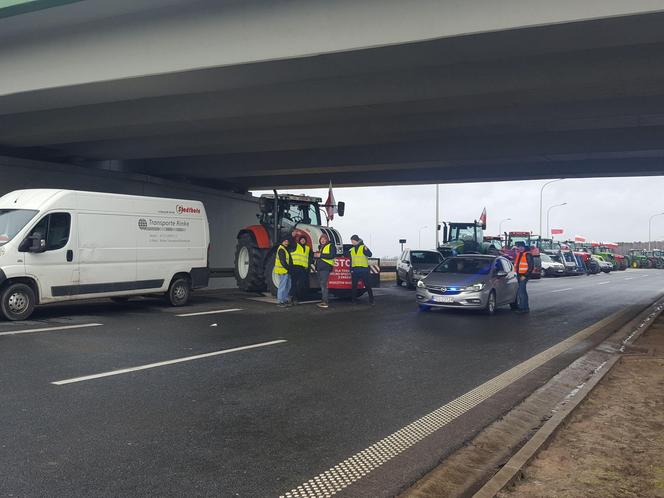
(569, 257)
(425, 258)
(546, 258)
(12, 221)
(466, 266)
(555, 258)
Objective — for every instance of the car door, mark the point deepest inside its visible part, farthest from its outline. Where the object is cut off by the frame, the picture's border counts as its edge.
(510, 282)
(54, 267)
(404, 265)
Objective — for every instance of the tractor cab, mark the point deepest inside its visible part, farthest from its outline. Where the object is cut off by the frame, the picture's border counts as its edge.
(463, 238)
(509, 250)
(548, 246)
(299, 214)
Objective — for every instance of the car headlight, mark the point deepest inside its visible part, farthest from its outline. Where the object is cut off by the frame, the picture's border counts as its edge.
(474, 288)
(420, 284)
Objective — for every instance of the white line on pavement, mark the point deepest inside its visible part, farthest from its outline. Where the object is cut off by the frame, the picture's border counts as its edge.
(164, 363)
(605, 282)
(629, 278)
(51, 329)
(355, 467)
(214, 312)
(563, 290)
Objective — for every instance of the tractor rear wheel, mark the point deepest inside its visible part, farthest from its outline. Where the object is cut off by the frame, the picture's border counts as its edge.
(249, 264)
(268, 275)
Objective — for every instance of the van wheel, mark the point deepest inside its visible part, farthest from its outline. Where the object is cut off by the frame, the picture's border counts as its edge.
(179, 292)
(18, 302)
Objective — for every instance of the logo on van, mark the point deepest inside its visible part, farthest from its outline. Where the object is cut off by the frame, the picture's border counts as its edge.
(187, 210)
(143, 224)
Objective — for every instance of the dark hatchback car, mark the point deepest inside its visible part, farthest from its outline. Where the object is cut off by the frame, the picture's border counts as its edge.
(414, 265)
(469, 281)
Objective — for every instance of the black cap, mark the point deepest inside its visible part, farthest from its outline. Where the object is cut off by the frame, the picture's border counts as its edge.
(355, 237)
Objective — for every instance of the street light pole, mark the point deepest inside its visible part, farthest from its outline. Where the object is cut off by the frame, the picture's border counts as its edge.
(437, 216)
(419, 237)
(650, 228)
(541, 196)
(547, 217)
(500, 226)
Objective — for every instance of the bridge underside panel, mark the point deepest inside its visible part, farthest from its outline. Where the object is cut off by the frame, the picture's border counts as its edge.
(581, 99)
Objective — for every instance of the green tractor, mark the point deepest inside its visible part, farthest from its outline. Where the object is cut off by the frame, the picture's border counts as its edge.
(465, 238)
(655, 259)
(619, 262)
(638, 259)
(659, 255)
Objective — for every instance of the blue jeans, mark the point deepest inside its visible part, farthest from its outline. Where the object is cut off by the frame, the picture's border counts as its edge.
(284, 288)
(522, 295)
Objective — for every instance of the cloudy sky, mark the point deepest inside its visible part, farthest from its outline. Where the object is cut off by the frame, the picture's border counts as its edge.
(607, 209)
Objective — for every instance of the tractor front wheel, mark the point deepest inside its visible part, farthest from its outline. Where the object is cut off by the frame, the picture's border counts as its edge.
(249, 264)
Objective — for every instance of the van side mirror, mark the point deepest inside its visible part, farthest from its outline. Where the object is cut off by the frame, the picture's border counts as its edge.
(501, 274)
(341, 208)
(33, 243)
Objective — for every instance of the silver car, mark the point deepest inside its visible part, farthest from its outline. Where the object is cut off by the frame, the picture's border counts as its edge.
(469, 281)
(414, 265)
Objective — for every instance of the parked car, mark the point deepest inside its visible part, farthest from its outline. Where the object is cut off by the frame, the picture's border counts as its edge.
(414, 265)
(551, 268)
(472, 281)
(604, 265)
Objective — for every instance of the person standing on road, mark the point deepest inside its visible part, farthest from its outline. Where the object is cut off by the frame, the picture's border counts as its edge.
(523, 265)
(359, 267)
(302, 261)
(324, 266)
(283, 264)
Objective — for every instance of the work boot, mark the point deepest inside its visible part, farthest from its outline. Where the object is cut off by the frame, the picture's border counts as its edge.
(323, 305)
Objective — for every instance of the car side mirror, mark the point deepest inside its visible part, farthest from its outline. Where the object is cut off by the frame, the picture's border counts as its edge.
(501, 274)
(341, 208)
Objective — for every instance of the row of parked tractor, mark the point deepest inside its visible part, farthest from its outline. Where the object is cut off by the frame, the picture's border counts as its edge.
(551, 257)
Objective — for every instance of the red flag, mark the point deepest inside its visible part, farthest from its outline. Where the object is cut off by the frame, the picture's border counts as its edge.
(556, 231)
(579, 238)
(483, 218)
(330, 204)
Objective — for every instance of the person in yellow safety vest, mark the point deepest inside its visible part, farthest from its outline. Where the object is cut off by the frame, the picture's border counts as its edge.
(302, 261)
(283, 264)
(359, 267)
(523, 266)
(324, 266)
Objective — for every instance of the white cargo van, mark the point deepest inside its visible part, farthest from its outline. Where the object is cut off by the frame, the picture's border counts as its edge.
(60, 245)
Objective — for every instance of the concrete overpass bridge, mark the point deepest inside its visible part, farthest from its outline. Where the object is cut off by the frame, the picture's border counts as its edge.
(253, 94)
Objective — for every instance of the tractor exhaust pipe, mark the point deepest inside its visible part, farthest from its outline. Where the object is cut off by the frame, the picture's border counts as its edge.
(275, 215)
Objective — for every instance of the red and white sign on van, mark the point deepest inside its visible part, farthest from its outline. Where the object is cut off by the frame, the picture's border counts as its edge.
(187, 209)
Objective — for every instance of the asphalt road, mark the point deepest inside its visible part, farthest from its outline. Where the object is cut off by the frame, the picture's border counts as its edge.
(261, 421)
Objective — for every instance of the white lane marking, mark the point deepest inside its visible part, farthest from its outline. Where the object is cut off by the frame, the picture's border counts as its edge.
(563, 290)
(52, 329)
(628, 278)
(602, 283)
(355, 467)
(164, 363)
(213, 312)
